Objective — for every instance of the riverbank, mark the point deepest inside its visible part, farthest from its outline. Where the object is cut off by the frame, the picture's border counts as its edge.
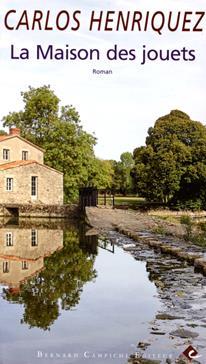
(170, 265)
(162, 235)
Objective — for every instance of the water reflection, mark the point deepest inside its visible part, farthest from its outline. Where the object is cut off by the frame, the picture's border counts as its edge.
(45, 269)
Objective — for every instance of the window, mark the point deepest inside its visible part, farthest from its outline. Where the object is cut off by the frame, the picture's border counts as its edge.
(6, 154)
(5, 267)
(9, 239)
(34, 186)
(25, 155)
(34, 241)
(25, 265)
(9, 184)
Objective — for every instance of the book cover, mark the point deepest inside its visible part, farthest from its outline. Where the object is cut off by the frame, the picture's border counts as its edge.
(102, 110)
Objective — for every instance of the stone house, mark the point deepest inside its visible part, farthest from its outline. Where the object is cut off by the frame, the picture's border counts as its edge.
(24, 178)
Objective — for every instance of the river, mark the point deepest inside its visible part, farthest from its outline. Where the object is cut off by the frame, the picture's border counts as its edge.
(67, 298)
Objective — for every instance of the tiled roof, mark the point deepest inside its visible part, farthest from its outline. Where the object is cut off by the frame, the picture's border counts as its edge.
(15, 164)
(3, 137)
(6, 137)
(21, 163)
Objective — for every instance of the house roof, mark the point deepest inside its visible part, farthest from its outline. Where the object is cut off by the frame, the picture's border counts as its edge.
(6, 137)
(22, 163)
(15, 164)
(18, 259)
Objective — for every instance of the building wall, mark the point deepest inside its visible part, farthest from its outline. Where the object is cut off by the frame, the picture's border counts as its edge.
(16, 146)
(50, 185)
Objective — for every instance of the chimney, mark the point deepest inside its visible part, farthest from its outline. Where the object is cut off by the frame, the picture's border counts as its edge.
(14, 290)
(14, 131)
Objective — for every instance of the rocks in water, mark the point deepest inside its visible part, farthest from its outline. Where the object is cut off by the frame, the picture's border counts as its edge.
(180, 294)
(130, 248)
(200, 265)
(193, 325)
(184, 334)
(159, 284)
(142, 345)
(183, 360)
(181, 291)
(143, 361)
(185, 306)
(155, 331)
(165, 316)
(158, 333)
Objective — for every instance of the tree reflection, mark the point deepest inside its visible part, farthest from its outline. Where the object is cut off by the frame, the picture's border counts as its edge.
(58, 286)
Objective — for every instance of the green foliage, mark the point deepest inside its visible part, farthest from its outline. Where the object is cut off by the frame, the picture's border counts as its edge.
(41, 108)
(122, 180)
(171, 168)
(202, 226)
(196, 233)
(187, 204)
(160, 230)
(2, 132)
(199, 239)
(102, 174)
(186, 220)
(188, 223)
(68, 148)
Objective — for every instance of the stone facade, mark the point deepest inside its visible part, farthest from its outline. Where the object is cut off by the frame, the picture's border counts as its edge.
(24, 179)
(16, 145)
(49, 185)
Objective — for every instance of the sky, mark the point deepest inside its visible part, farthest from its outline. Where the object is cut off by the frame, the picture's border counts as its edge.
(120, 107)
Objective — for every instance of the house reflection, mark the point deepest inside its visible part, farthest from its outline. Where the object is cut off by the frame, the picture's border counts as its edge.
(22, 252)
(44, 269)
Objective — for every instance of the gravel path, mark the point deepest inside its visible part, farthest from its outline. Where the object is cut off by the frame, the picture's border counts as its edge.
(108, 218)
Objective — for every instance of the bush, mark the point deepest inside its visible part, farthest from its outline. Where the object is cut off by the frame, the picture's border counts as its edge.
(193, 205)
(187, 221)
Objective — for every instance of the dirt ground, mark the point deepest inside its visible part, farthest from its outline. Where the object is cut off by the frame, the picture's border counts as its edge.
(102, 218)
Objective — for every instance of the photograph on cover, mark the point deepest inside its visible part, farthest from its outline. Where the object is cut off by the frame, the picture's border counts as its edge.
(103, 182)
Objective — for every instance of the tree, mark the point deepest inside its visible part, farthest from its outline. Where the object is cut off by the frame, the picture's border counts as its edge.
(122, 181)
(172, 165)
(102, 174)
(41, 108)
(68, 147)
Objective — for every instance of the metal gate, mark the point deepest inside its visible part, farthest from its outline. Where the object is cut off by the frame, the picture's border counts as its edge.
(88, 197)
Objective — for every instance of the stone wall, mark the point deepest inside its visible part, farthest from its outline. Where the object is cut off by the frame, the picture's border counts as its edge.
(50, 185)
(41, 211)
(16, 146)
